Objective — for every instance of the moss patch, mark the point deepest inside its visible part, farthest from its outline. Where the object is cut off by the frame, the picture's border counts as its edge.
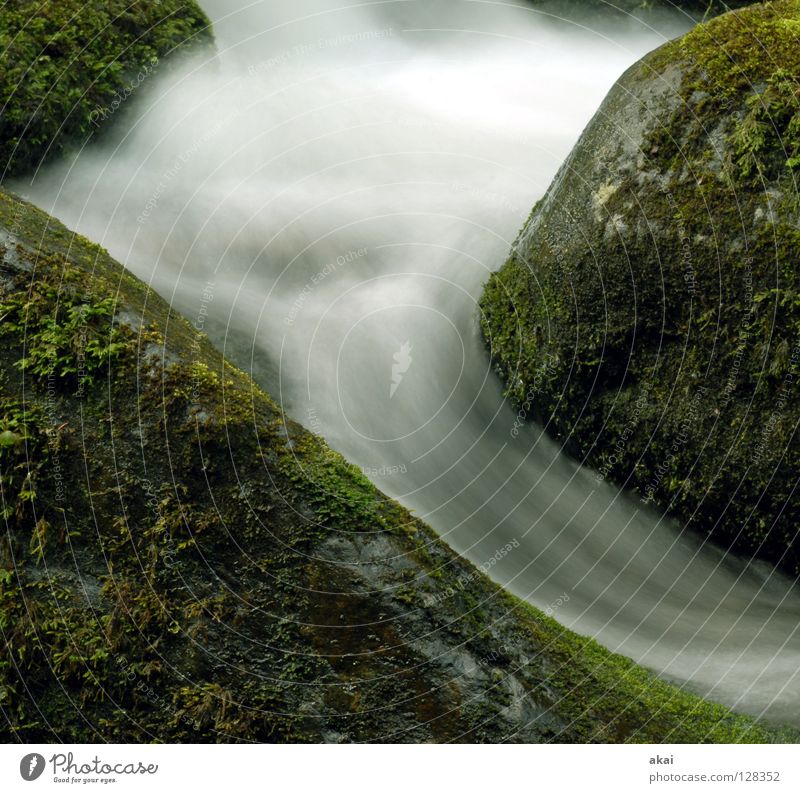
(66, 68)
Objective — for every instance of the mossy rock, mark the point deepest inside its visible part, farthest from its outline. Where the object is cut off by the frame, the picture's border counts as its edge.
(649, 313)
(182, 562)
(68, 68)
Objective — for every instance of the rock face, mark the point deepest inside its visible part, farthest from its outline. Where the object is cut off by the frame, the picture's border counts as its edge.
(649, 312)
(69, 67)
(182, 562)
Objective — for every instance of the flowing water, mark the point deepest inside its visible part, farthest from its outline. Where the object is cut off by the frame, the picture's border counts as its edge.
(326, 198)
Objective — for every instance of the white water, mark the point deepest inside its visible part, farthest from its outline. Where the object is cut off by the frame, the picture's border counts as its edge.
(417, 136)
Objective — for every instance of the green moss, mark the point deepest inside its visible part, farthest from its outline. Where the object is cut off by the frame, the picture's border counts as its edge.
(636, 697)
(68, 67)
(752, 53)
(23, 453)
(65, 336)
(744, 49)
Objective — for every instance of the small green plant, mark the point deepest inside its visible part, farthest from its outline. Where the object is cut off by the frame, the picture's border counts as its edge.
(67, 68)
(771, 124)
(63, 335)
(23, 451)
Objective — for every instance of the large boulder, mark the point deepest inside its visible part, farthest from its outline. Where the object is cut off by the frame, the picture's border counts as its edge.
(649, 313)
(68, 68)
